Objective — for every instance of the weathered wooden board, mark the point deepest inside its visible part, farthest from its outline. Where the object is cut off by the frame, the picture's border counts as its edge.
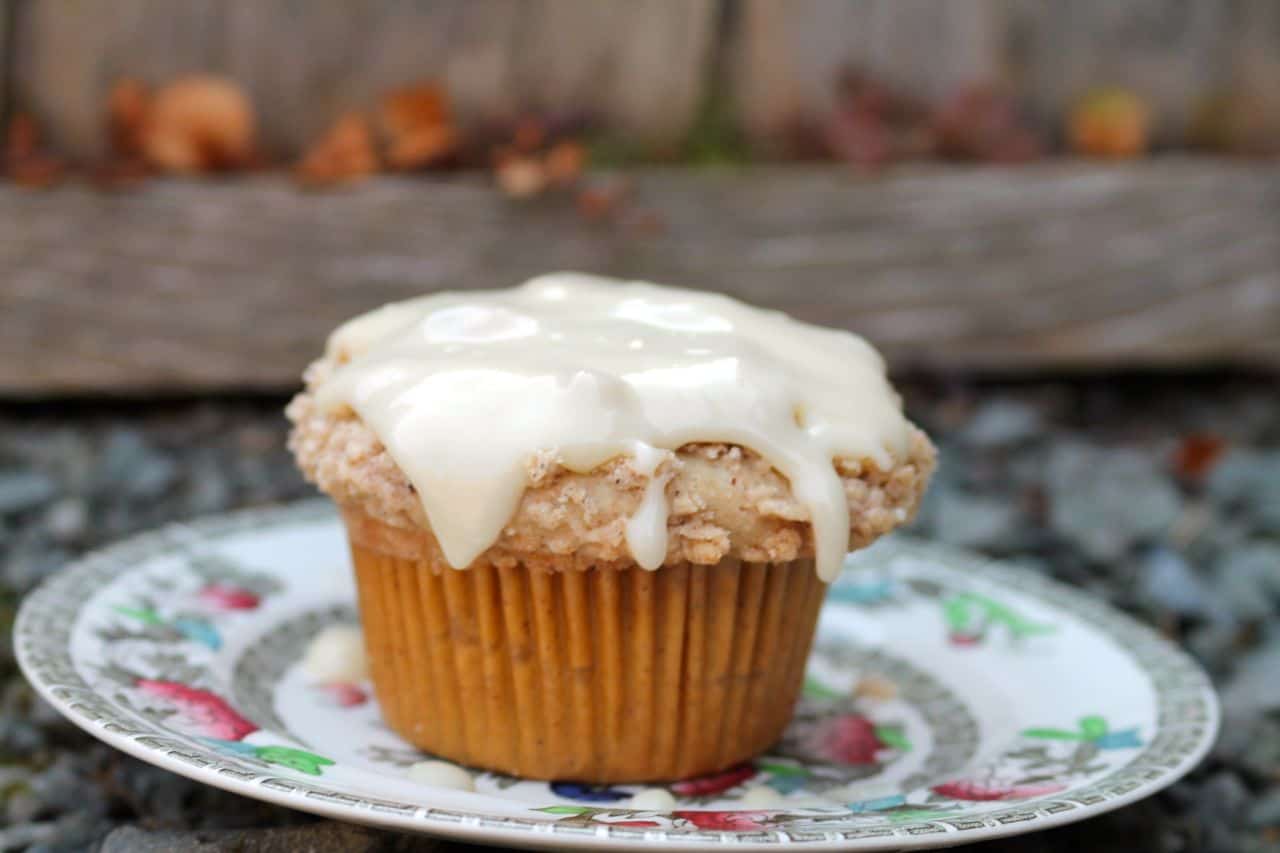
(638, 64)
(6, 7)
(198, 286)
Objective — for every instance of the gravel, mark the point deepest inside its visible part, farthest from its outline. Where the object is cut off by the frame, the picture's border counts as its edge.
(1078, 480)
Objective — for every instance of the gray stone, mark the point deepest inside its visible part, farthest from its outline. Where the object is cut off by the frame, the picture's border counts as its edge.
(1265, 810)
(1249, 481)
(1255, 686)
(75, 833)
(1248, 580)
(26, 566)
(67, 520)
(25, 490)
(1106, 501)
(1167, 582)
(975, 522)
(20, 737)
(61, 786)
(1001, 423)
(1223, 798)
(21, 806)
(1214, 644)
(208, 488)
(323, 837)
(131, 467)
(25, 835)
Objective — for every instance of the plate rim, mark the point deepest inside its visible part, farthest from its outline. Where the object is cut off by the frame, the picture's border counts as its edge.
(118, 558)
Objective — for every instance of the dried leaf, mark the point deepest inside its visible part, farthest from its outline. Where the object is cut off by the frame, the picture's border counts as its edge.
(1110, 123)
(1244, 121)
(38, 171)
(410, 109)
(859, 137)
(119, 174)
(521, 177)
(22, 137)
(417, 125)
(981, 122)
(127, 107)
(24, 163)
(642, 221)
(1197, 454)
(565, 162)
(427, 146)
(345, 152)
(529, 135)
(199, 124)
(602, 200)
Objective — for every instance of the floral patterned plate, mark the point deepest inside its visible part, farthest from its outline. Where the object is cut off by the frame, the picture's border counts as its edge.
(948, 699)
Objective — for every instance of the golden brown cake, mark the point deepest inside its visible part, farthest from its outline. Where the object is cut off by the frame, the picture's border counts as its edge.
(592, 521)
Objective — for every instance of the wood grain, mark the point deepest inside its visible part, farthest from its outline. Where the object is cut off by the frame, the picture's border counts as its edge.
(6, 13)
(1174, 54)
(212, 286)
(639, 65)
(786, 56)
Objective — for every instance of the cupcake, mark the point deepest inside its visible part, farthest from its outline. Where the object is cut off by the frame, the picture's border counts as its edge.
(592, 521)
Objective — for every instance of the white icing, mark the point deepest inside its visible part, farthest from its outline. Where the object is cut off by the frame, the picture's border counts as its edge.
(760, 796)
(336, 654)
(463, 389)
(647, 528)
(652, 800)
(441, 774)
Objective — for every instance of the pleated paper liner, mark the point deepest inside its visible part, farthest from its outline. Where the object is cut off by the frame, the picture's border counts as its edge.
(596, 675)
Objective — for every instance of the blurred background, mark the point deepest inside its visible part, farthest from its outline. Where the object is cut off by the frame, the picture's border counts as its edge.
(1059, 221)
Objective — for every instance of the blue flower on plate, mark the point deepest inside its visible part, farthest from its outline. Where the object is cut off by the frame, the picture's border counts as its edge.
(588, 793)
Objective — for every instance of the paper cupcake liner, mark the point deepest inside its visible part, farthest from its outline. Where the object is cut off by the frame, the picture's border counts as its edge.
(597, 675)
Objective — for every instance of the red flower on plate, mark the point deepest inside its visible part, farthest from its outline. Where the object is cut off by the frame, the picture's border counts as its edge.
(979, 792)
(344, 694)
(705, 786)
(849, 739)
(227, 597)
(726, 821)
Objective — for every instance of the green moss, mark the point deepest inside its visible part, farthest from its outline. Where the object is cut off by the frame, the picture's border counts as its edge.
(715, 137)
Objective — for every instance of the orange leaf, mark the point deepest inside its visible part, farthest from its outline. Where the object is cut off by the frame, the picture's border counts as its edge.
(119, 174)
(38, 171)
(199, 124)
(345, 152)
(565, 162)
(426, 146)
(412, 108)
(521, 177)
(127, 108)
(1197, 454)
(22, 137)
(1111, 123)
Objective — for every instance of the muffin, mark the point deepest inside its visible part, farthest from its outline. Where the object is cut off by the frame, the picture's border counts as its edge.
(592, 521)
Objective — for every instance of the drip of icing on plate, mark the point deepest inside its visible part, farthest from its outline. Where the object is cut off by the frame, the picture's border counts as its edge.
(464, 388)
(336, 655)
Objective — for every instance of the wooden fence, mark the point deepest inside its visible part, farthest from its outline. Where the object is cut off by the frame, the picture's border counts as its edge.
(643, 66)
(190, 286)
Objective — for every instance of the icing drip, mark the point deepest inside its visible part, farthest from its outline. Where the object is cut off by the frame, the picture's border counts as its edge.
(464, 388)
(647, 527)
(336, 655)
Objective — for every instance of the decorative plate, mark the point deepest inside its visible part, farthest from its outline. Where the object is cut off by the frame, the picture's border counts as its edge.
(948, 699)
